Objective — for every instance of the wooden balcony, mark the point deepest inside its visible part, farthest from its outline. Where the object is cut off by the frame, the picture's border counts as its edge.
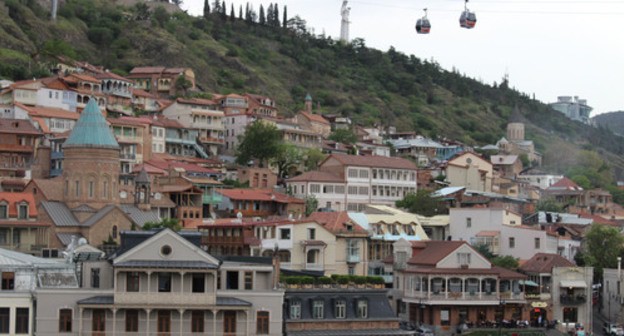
(165, 299)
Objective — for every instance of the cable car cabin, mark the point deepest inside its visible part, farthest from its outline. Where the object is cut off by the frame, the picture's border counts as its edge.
(423, 26)
(467, 19)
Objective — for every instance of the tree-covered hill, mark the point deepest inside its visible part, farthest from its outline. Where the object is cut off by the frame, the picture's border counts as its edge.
(236, 50)
(613, 121)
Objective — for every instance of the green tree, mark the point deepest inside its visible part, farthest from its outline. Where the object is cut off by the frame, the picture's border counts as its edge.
(549, 204)
(484, 250)
(261, 142)
(182, 85)
(603, 244)
(507, 262)
(169, 223)
(582, 181)
(420, 202)
(343, 135)
(206, 9)
(311, 204)
(312, 158)
(285, 19)
(262, 18)
(287, 157)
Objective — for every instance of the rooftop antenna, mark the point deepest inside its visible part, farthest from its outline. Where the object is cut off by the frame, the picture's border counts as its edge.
(344, 24)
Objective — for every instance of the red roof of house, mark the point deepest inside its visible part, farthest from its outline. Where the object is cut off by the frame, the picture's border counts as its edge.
(258, 195)
(315, 117)
(142, 93)
(132, 121)
(372, 161)
(48, 112)
(111, 75)
(18, 126)
(13, 200)
(82, 77)
(565, 184)
(336, 222)
(147, 70)
(544, 263)
(432, 251)
(196, 101)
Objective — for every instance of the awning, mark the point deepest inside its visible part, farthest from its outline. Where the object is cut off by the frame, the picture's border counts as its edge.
(573, 284)
(529, 283)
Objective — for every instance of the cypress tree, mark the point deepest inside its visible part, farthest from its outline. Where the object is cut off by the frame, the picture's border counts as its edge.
(285, 20)
(240, 12)
(269, 18)
(232, 13)
(276, 20)
(247, 13)
(216, 7)
(206, 9)
(262, 18)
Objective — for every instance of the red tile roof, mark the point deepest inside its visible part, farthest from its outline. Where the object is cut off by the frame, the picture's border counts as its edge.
(317, 176)
(83, 78)
(337, 222)
(51, 189)
(258, 195)
(431, 252)
(13, 199)
(544, 263)
(132, 121)
(372, 161)
(142, 93)
(315, 117)
(111, 75)
(48, 112)
(147, 70)
(18, 126)
(197, 101)
(565, 184)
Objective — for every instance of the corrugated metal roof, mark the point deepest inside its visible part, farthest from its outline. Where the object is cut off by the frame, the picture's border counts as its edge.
(138, 216)
(91, 130)
(66, 237)
(60, 214)
(98, 300)
(17, 259)
(98, 215)
(166, 264)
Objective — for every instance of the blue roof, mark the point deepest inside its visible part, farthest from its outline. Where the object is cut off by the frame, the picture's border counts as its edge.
(308, 97)
(91, 130)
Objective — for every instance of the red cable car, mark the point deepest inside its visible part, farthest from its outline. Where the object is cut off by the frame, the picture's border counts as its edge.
(423, 26)
(467, 19)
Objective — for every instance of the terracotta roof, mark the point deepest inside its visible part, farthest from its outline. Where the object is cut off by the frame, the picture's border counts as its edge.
(149, 169)
(433, 251)
(504, 273)
(317, 176)
(48, 112)
(372, 161)
(142, 93)
(337, 222)
(84, 78)
(132, 121)
(111, 75)
(315, 117)
(13, 199)
(18, 126)
(544, 263)
(565, 184)
(147, 70)
(598, 219)
(196, 101)
(54, 83)
(259, 195)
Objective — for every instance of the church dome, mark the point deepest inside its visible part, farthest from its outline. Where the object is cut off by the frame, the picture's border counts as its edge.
(91, 130)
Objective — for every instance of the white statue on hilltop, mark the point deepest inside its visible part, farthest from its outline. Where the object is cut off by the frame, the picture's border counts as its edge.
(344, 25)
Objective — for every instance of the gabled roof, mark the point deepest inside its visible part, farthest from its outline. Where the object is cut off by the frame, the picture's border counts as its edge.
(48, 112)
(13, 200)
(337, 222)
(16, 259)
(111, 75)
(544, 263)
(433, 251)
(91, 130)
(51, 189)
(18, 126)
(147, 70)
(564, 184)
(315, 118)
(317, 176)
(196, 101)
(372, 161)
(503, 159)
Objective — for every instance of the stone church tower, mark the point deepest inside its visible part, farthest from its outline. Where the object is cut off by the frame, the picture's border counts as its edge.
(91, 164)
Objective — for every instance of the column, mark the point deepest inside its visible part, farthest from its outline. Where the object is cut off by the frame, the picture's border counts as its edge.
(181, 311)
(214, 322)
(114, 321)
(446, 282)
(429, 289)
(147, 321)
(247, 322)
(149, 282)
(80, 311)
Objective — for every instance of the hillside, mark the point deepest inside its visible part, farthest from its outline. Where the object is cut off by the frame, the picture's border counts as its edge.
(613, 121)
(237, 55)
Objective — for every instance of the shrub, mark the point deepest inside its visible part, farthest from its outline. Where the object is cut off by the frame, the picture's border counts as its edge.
(358, 279)
(342, 279)
(307, 280)
(376, 280)
(292, 280)
(324, 280)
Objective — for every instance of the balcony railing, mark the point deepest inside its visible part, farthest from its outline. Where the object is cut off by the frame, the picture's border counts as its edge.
(212, 199)
(146, 299)
(468, 295)
(127, 156)
(572, 299)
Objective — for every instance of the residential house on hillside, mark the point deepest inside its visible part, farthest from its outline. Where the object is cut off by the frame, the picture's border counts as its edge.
(539, 179)
(575, 109)
(261, 105)
(257, 177)
(445, 284)
(161, 81)
(349, 182)
(508, 166)
(421, 149)
(471, 171)
(86, 88)
(49, 92)
(118, 91)
(296, 134)
(19, 143)
(145, 101)
(313, 122)
(134, 139)
(23, 274)
(258, 203)
(164, 283)
(46, 119)
(571, 292)
(201, 115)
(20, 227)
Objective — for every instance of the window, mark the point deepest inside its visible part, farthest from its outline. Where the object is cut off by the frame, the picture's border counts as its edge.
(295, 310)
(197, 321)
(114, 233)
(231, 280)
(91, 189)
(570, 315)
(262, 323)
(199, 283)
(8, 280)
(3, 211)
(341, 308)
(362, 308)
(77, 188)
(284, 234)
(105, 189)
(353, 173)
(311, 233)
(537, 243)
(132, 320)
(363, 173)
(21, 320)
(95, 278)
(23, 211)
(164, 282)
(315, 188)
(65, 320)
(248, 280)
(468, 222)
(98, 322)
(445, 317)
(4, 320)
(164, 321)
(463, 258)
(317, 309)
(133, 280)
(363, 190)
(512, 242)
(353, 190)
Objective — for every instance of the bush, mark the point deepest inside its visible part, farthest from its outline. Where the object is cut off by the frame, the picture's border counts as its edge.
(292, 280)
(307, 280)
(324, 280)
(358, 279)
(342, 279)
(375, 280)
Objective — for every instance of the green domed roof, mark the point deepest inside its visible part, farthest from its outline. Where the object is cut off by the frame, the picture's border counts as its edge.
(91, 130)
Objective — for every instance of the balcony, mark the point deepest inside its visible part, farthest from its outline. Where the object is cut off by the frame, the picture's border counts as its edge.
(168, 299)
(313, 267)
(127, 156)
(55, 172)
(464, 296)
(211, 141)
(212, 199)
(572, 299)
(57, 155)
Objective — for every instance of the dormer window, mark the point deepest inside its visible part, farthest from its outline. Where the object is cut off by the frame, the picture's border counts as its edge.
(362, 308)
(23, 211)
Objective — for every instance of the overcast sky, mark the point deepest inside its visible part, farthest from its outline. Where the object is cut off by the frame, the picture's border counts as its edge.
(548, 48)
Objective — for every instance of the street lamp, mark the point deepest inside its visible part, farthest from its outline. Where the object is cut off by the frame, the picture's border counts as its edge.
(501, 302)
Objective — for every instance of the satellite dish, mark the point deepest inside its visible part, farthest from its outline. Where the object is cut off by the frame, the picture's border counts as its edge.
(239, 215)
(82, 241)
